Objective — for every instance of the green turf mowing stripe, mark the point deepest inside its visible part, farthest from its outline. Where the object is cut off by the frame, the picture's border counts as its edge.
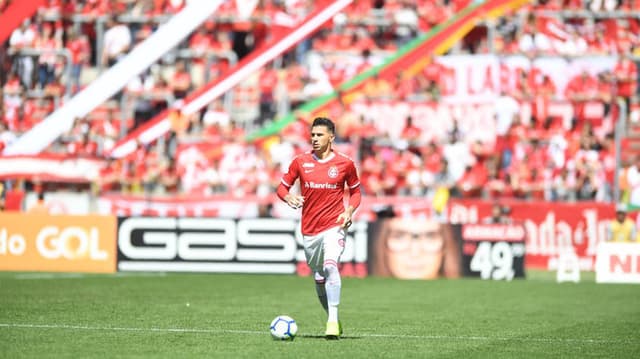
(354, 335)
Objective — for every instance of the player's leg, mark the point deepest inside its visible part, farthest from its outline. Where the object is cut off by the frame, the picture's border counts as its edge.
(313, 252)
(333, 243)
(321, 290)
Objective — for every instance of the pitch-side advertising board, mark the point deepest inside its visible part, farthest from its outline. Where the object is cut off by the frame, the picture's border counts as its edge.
(618, 263)
(39, 242)
(257, 245)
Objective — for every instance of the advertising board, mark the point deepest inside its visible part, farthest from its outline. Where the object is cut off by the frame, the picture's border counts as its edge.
(40, 242)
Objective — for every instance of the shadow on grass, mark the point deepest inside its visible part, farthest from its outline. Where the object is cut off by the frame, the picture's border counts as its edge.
(317, 336)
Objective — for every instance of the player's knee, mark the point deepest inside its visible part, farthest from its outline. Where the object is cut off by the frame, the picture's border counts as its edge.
(330, 268)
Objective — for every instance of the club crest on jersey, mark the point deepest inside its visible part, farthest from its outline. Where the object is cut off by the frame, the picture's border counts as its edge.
(333, 172)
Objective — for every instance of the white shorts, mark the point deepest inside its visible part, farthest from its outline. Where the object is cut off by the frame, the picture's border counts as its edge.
(324, 247)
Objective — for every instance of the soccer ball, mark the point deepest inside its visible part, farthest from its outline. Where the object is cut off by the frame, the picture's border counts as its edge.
(283, 328)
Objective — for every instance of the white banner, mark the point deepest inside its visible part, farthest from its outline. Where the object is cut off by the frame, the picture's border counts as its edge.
(50, 168)
(70, 203)
(618, 263)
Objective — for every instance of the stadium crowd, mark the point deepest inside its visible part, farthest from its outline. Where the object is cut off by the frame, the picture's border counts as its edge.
(60, 50)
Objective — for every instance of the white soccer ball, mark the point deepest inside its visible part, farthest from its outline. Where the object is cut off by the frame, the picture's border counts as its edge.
(283, 327)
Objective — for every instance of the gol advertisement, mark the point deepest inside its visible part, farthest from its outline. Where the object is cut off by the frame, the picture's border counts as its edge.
(41, 242)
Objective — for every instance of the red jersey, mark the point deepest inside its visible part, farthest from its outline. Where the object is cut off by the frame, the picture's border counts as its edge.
(626, 71)
(79, 49)
(322, 185)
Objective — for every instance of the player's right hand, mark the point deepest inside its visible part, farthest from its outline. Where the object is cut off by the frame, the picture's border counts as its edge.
(294, 201)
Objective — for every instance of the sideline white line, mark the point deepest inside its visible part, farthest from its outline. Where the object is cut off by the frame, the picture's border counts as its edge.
(354, 335)
(125, 329)
(23, 276)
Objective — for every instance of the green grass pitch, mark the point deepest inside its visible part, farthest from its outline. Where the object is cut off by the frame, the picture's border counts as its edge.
(227, 316)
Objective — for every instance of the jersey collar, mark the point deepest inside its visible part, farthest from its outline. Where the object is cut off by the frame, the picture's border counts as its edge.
(331, 156)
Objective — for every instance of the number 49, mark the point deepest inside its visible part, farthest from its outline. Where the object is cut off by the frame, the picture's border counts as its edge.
(493, 261)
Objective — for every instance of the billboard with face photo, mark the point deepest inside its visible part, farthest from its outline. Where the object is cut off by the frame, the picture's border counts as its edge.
(413, 248)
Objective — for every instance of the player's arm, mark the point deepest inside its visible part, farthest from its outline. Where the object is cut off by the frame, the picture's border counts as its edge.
(289, 178)
(355, 197)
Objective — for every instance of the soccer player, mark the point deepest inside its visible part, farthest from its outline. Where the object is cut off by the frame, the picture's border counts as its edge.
(323, 174)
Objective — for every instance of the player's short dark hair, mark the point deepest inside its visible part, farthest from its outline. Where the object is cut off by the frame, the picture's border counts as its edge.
(323, 121)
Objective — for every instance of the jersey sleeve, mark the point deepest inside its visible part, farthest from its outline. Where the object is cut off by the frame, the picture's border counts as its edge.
(351, 178)
(353, 182)
(289, 178)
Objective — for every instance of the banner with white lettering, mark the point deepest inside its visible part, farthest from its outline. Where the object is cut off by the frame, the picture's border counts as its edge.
(480, 78)
(618, 263)
(60, 243)
(477, 119)
(493, 251)
(470, 86)
(550, 227)
(260, 245)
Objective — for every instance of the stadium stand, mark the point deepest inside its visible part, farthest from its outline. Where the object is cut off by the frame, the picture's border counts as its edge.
(551, 137)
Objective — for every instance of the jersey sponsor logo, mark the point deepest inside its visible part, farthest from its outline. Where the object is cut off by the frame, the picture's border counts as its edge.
(308, 165)
(333, 172)
(325, 185)
(308, 171)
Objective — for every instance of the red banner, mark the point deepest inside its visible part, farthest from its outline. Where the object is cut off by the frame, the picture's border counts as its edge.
(493, 232)
(551, 227)
(13, 16)
(481, 78)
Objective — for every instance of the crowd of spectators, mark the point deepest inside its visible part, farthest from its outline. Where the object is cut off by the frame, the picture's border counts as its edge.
(533, 158)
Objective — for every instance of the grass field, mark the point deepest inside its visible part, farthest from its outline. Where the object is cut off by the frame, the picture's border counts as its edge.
(227, 316)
